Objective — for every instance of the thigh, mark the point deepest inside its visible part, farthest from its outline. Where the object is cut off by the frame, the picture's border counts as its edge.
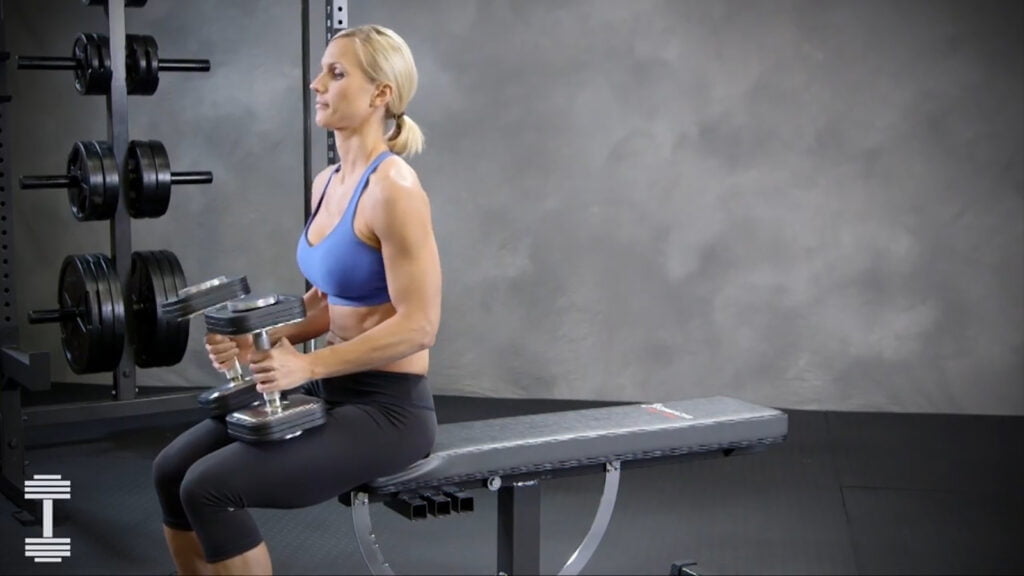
(356, 444)
(204, 438)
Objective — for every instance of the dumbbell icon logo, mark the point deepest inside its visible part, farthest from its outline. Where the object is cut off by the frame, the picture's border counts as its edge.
(47, 487)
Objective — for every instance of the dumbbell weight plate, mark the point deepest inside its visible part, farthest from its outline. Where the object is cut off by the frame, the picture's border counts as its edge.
(198, 298)
(285, 309)
(298, 413)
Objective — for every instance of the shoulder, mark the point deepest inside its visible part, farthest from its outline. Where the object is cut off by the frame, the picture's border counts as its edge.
(397, 181)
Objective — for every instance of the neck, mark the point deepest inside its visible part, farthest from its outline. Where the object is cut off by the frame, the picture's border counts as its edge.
(357, 150)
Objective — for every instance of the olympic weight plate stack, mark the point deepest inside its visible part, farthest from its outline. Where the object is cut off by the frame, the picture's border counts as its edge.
(93, 312)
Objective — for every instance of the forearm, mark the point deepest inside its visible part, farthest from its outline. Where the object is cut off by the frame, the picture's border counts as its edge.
(389, 341)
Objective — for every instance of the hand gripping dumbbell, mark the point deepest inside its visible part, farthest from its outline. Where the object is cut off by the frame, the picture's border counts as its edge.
(275, 418)
(239, 391)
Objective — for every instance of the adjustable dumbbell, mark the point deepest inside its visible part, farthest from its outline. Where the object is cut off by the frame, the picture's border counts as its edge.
(239, 391)
(275, 418)
(94, 186)
(90, 61)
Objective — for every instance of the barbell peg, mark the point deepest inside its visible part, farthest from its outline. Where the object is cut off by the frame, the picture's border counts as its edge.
(91, 180)
(55, 315)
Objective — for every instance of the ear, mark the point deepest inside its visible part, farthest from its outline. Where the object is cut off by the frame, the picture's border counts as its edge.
(381, 96)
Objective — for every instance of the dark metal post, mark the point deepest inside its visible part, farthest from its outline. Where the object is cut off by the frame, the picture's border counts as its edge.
(307, 130)
(120, 224)
(519, 528)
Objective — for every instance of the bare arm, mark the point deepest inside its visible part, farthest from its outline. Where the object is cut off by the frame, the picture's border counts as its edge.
(401, 220)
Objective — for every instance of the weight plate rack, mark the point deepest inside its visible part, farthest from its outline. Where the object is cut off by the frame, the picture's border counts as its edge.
(101, 297)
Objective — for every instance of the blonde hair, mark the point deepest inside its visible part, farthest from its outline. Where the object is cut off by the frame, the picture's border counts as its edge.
(385, 57)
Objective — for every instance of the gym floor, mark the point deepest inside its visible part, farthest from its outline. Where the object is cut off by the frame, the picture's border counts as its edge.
(847, 493)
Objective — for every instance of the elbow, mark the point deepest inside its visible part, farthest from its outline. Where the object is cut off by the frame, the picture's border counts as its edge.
(424, 334)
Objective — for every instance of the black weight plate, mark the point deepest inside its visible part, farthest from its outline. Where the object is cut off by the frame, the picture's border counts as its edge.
(88, 72)
(287, 309)
(99, 73)
(142, 78)
(80, 54)
(153, 55)
(79, 335)
(143, 201)
(133, 170)
(102, 302)
(227, 398)
(120, 322)
(206, 295)
(112, 310)
(159, 273)
(173, 348)
(82, 167)
(176, 334)
(135, 61)
(112, 181)
(162, 161)
(146, 292)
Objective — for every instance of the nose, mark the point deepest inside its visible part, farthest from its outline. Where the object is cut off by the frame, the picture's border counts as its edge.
(315, 84)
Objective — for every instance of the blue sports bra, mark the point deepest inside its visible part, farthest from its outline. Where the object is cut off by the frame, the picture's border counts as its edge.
(348, 270)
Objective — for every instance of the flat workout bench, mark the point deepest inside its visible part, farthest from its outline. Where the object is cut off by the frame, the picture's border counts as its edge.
(512, 455)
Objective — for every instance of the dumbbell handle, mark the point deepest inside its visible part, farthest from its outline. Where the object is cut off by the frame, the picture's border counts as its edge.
(51, 316)
(234, 373)
(261, 341)
(183, 65)
(40, 182)
(191, 178)
(47, 63)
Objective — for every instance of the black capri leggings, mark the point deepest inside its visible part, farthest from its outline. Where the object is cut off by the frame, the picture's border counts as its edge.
(378, 423)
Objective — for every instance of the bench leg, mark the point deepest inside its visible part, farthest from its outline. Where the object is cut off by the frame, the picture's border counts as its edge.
(364, 535)
(519, 528)
(589, 544)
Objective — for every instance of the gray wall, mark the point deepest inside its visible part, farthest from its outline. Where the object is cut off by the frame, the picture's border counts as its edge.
(805, 204)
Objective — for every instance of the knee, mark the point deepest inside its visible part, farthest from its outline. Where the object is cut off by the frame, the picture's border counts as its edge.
(167, 472)
(193, 488)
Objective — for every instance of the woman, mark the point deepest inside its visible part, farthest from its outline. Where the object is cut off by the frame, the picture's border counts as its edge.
(370, 253)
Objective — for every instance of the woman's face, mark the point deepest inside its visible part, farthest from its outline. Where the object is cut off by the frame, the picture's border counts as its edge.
(344, 95)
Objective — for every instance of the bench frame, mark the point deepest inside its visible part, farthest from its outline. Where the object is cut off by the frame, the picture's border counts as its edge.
(519, 502)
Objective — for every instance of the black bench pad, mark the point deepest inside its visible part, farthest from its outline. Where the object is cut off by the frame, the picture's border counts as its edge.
(468, 451)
